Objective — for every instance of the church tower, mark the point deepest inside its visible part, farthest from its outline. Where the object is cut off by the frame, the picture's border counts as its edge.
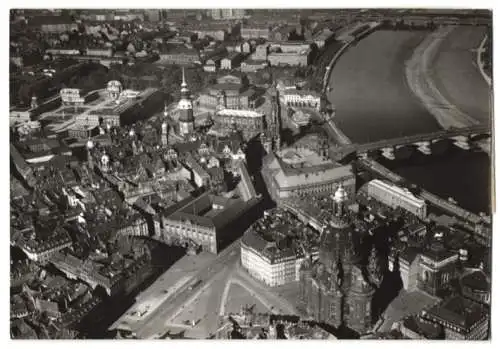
(90, 146)
(185, 109)
(164, 134)
(275, 117)
(340, 199)
(359, 302)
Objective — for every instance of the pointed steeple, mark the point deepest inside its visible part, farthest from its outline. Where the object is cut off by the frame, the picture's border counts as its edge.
(184, 86)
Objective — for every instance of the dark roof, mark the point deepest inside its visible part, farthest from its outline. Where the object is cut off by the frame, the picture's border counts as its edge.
(428, 329)
(437, 252)
(477, 280)
(459, 311)
(45, 20)
(409, 254)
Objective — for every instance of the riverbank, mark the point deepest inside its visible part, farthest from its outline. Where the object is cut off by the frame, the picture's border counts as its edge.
(423, 83)
(480, 63)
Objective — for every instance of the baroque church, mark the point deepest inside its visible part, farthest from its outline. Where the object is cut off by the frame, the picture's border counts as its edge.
(339, 287)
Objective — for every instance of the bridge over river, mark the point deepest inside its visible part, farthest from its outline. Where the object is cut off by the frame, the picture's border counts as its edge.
(462, 136)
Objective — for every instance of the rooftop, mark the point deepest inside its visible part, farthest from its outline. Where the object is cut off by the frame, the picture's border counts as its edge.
(240, 113)
(302, 157)
(459, 311)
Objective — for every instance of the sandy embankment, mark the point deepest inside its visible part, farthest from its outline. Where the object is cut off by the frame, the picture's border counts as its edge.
(419, 79)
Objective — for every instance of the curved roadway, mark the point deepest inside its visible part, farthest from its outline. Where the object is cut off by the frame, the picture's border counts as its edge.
(370, 93)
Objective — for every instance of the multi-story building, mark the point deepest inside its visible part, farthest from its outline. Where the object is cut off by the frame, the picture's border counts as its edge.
(304, 98)
(461, 318)
(180, 56)
(261, 52)
(394, 196)
(294, 54)
(99, 52)
(230, 92)
(121, 108)
(286, 174)
(417, 327)
(203, 220)
(252, 66)
(227, 13)
(323, 38)
(63, 51)
(290, 58)
(199, 175)
(407, 262)
(437, 267)
(254, 32)
(266, 262)
(153, 15)
(249, 122)
(267, 257)
(53, 24)
(41, 250)
(232, 61)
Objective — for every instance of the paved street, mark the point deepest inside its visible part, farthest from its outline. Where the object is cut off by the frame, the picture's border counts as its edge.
(152, 326)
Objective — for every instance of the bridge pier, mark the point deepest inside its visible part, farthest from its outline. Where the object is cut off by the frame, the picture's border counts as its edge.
(461, 142)
(424, 147)
(388, 153)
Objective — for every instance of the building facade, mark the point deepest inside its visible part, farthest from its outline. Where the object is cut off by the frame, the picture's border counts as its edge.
(461, 318)
(437, 267)
(284, 181)
(269, 264)
(394, 196)
(249, 122)
(302, 98)
(254, 32)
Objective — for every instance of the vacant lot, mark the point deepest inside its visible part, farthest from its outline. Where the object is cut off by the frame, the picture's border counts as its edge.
(370, 93)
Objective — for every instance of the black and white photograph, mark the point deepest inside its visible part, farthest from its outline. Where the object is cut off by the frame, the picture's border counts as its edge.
(250, 173)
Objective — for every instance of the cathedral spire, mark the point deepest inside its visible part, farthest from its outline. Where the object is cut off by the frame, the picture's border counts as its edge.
(184, 86)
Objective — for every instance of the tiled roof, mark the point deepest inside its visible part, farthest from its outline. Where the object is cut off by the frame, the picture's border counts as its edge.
(459, 311)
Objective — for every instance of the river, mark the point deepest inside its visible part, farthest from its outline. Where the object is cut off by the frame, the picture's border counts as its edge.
(373, 102)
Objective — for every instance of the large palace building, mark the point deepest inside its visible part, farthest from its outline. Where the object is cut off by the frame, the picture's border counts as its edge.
(339, 288)
(304, 169)
(231, 91)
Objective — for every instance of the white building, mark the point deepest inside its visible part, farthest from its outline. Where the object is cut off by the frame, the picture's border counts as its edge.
(303, 98)
(394, 196)
(264, 261)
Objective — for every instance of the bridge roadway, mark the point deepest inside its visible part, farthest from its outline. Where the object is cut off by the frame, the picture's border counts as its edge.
(466, 131)
(155, 321)
(435, 200)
